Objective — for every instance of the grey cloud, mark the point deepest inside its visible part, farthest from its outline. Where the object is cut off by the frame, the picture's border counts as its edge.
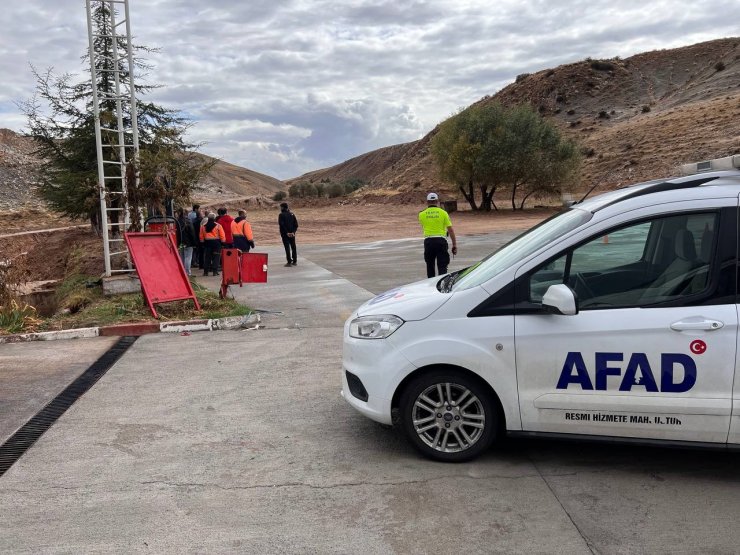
(186, 94)
(392, 13)
(288, 86)
(333, 132)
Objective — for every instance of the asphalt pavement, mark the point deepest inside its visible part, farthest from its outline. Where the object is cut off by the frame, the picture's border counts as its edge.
(239, 442)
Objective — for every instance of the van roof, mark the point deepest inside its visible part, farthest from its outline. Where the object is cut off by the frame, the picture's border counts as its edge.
(725, 179)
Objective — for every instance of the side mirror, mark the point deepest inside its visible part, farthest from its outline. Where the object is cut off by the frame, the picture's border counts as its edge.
(560, 299)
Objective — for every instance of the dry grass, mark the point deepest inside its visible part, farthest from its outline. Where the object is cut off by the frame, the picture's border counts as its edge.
(81, 304)
(15, 315)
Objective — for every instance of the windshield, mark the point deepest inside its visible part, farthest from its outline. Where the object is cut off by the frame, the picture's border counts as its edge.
(516, 250)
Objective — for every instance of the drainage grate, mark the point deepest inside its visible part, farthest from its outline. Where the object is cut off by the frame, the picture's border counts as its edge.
(26, 436)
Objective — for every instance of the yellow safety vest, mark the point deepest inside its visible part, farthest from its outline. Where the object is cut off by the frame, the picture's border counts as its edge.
(434, 221)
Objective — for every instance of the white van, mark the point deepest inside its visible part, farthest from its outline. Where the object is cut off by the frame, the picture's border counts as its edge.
(617, 318)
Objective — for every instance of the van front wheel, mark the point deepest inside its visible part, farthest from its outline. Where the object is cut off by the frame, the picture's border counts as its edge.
(448, 416)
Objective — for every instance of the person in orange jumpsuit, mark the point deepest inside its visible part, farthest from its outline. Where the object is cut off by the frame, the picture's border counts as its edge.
(241, 230)
(212, 236)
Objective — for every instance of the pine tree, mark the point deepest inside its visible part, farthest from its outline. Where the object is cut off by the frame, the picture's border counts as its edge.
(60, 119)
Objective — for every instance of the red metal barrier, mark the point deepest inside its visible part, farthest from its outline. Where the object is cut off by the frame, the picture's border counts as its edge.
(229, 270)
(230, 266)
(160, 269)
(241, 267)
(159, 227)
(254, 267)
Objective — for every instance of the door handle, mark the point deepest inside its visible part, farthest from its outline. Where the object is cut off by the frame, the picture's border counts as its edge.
(697, 325)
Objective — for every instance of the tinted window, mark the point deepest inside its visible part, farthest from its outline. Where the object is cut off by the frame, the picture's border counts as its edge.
(643, 264)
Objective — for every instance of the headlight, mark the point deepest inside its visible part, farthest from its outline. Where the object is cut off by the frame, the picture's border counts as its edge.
(374, 327)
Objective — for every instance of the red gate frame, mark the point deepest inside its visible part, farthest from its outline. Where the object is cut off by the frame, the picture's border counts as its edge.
(162, 275)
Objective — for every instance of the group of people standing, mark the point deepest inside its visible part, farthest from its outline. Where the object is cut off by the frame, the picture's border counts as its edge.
(201, 236)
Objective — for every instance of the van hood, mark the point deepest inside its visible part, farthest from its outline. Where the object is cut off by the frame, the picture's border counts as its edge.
(415, 301)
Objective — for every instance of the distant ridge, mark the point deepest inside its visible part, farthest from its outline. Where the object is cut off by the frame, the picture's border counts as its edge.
(229, 181)
(19, 177)
(635, 118)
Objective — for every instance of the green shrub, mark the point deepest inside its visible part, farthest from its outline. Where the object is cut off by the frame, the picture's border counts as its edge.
(280, 195)
(334, 190)
(352, 184)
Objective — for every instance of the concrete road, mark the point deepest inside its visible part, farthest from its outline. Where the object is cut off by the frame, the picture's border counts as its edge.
(31, 375)
(239, 442)
(382, 265)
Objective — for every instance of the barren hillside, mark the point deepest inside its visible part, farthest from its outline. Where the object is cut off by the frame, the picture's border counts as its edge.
(636, 119)
(19, 177)
(229, 181)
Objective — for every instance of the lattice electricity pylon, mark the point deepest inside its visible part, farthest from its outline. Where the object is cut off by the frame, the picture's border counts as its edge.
(116, 131)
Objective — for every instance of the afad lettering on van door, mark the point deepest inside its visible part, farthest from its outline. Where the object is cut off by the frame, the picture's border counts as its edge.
(677, 373)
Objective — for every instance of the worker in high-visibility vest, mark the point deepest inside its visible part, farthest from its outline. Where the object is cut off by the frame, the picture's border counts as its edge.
(241, 230)
(212, 236)
(437, 226)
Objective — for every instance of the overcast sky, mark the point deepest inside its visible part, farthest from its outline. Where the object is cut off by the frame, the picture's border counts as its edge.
(288, 86)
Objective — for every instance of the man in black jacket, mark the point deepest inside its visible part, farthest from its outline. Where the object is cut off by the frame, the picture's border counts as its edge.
(288, 226)
(186, 239)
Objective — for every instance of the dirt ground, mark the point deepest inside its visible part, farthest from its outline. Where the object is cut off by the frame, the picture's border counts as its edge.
(364, 223)
(47, 254)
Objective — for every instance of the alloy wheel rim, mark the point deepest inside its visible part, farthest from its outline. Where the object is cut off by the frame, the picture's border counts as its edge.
(448, 417)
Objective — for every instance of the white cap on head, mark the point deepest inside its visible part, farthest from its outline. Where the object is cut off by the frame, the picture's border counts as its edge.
(432, 196)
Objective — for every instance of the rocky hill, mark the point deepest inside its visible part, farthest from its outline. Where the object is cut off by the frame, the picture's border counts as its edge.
(226, 181)
(19, 177)
(635, 118)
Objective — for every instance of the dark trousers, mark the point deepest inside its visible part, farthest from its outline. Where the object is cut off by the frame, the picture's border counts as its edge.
(201, 255)
(241, 243)
(289, 244)
(197, 256)
(211, 255)
(435, 251)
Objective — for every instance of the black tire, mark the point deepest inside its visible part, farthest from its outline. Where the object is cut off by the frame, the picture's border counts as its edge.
(451, 432)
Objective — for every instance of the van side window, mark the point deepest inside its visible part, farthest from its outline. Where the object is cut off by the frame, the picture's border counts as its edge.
(648, 263)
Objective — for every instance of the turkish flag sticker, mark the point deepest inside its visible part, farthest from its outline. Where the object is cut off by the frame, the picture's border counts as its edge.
(698, 347)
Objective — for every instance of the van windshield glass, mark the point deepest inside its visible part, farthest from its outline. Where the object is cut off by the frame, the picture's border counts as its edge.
(518, 249)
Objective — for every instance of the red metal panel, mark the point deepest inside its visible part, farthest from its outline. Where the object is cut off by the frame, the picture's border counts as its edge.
(229, 270)
(230, 266)
(160, 269)
(160, 227)
(254, 267)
